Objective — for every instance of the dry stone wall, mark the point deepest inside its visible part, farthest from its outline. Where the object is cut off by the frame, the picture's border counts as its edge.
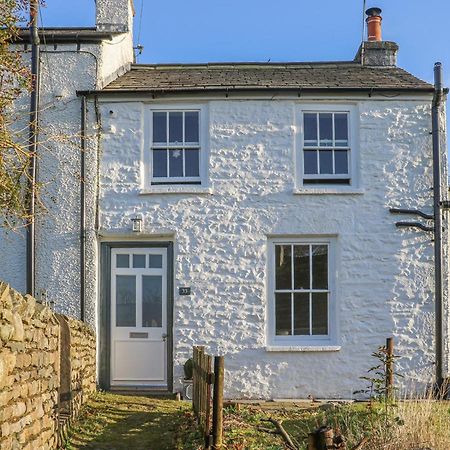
(31, 373)
(82, 357)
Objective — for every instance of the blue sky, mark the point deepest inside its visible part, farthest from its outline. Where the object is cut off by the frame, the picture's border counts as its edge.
(283, 30)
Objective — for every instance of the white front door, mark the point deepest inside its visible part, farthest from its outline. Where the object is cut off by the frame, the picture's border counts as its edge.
(139, 317)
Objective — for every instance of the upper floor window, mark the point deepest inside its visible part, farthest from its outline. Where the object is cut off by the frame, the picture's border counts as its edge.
(176, 146)
(327, 154)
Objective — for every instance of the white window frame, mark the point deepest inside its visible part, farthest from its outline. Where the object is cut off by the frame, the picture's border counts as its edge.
(353, 152)
(303, 340)
(177, 183)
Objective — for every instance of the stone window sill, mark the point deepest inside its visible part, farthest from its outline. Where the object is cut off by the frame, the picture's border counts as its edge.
(303, 348)
(199, 190)
(327, 191)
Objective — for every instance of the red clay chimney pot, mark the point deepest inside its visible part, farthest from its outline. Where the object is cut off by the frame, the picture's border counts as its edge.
(374, 24)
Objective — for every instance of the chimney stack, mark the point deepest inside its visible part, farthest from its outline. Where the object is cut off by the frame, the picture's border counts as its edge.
(374, 51)
(115, 15)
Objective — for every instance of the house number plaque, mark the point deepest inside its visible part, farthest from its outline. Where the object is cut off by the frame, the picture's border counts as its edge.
(184, 291)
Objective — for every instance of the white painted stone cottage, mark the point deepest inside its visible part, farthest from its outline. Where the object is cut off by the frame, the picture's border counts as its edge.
(259, 194)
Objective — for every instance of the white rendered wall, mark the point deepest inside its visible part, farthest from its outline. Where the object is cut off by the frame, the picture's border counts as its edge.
(64, 71)
(384, 276)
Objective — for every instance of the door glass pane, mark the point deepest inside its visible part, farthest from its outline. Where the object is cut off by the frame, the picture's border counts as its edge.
(326, 161)
(176, 163)
(160, 163)
(310, 162)
(341, 161)
(310, 127)
(283, 267)
(320, 266)
(341, 129)
(159, 127)
(301, 267)
(125, 300)
(320, 313)
(123, 261)
(151, 301)
(154, 261)
(283, 314)
(326, 129)
(191, 126)
(301, 313)
(138, 261)
(192, 165)
(176, 127)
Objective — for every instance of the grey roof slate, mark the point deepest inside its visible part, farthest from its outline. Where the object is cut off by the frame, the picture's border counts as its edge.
(256, 76)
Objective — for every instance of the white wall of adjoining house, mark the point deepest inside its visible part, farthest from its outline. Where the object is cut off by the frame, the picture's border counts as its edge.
(64, 71)
(384, 275)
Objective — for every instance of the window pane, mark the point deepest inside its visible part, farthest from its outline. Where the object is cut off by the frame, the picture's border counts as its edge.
(320, 266)
(320, 313)
(160, 163)
(191, 126)
(283, 267)
(326, 129)
(138, 261)
(301, 267)
(154, 261)
(310, 127)
(301, 313)
(341, 161)
(192, 166)
(283, 322)
(152, 301)
(310, 161)
(160, 127)
(326, 161)
(123, 261)
(125, 300)
(176, 127)
(341, 129)
(176, 163)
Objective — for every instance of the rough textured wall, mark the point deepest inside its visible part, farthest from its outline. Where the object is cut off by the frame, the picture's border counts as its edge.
(83, 362)
(384, 278)
(43, 379)
(64, 71)
(29, 372)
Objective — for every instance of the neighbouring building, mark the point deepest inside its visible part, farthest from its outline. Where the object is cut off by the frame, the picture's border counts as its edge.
(240, 206)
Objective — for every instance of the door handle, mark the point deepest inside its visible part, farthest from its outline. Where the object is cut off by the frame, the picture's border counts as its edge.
(164, 337)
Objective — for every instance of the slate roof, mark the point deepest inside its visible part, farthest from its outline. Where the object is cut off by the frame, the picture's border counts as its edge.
(258, 76)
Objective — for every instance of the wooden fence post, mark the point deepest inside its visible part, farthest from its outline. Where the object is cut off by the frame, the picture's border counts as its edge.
(208, 401)
(218, 402)
(194, 380)
(389, 368)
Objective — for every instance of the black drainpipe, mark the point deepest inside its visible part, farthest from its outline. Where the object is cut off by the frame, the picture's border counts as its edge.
(83, 210)
(436, 132)
(32, 146)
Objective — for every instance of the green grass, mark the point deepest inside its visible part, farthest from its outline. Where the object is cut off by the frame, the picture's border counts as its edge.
(115, 422)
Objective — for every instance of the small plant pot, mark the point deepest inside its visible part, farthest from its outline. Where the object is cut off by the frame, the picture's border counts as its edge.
(187, 389)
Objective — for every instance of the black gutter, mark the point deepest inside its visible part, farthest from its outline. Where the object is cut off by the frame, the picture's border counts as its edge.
(32, 147)
(257, 90)
(83, 210)
(84, 37)
(436, 132)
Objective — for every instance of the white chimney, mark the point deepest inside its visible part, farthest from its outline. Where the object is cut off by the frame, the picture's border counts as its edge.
(115, 15)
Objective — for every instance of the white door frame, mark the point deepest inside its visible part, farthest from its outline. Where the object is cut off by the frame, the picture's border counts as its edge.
(106, 311)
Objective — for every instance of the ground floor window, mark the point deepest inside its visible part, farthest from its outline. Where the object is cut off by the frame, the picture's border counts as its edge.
(301, 290)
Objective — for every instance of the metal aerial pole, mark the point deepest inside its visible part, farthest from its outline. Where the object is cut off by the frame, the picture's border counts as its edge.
(32, 145)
